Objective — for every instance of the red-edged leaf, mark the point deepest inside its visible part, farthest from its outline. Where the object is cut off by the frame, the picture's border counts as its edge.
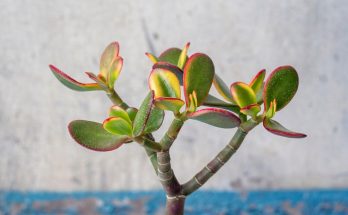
(171, 104)
(257, 82)
(170, 55)
(281, 85)
(276, 128)
(222, 88)
(149, 118)
(93, 136)
(72, 83)
(198, 77)
(251, 110)
(109, 54)
(118, 126)
(176, 70)
(216, 117)
(243, 94)
(164, 83)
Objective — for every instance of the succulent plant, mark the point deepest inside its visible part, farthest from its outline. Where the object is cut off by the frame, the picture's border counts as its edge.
(174, 72)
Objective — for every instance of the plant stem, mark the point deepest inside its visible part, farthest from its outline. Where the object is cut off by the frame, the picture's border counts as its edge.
(221, 158)
(175, 206)
(170, 136)
(115, 98)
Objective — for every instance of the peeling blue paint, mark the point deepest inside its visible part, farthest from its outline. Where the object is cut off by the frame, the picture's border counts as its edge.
(152, 202)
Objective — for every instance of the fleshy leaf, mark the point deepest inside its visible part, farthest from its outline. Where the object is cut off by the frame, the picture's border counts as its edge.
(242, 94)
(272, 109)
(164, 83)
(212, 101)
(108, 56)
(251, 110)
(198, 77)
(193, 102)
(171, 55)
(216, 117)
(259, 95)
(222, 88)
(257, 82)
(174, 69)
(281, 85)
(215, 102)
(171, 104)
(100, 82)
(149, 118)
(183, 56)
(114, 71)
(132, 112)
(116, 111)
(276, 128)
(72, 83)
(152, 57)
(92, 135)
(118, 126)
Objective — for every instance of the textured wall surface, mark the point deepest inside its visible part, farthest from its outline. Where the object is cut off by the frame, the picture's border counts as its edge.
(242, 37)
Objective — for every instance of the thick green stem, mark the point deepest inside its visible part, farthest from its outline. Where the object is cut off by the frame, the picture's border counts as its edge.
(115, 98)
(224, 155)
(170, 136)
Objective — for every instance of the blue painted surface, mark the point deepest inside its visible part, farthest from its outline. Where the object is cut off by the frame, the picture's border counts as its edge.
(203, 202)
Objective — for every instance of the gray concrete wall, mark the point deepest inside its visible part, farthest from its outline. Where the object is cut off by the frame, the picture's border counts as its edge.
(242, 37)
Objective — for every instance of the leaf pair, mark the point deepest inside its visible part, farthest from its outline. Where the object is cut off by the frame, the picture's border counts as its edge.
(110, 68)
(167, 76)
(279, 89)
(245, 95)
(134, 123)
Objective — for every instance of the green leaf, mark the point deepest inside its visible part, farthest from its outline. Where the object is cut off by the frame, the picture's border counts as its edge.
(257, 82)
(118, 126)
(272, 109)
(171, 104)
(216, 117)
(132, 112)
(114, 71)
(243, 94)
(222, 88)
(171, 55)
(93, 136)
(71, 83)
(212, 101)
(152, 57)
(164, 83)
(276, 128)
(116, 111)
(183, 56)
(149, 118)
(98, 80)
(198, 77)
(109, 54)
(281, 85)
(174, 69)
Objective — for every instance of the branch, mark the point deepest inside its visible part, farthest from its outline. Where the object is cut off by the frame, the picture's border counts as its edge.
(165, 172)
(170, 136)
(224, 155)
(115, 98)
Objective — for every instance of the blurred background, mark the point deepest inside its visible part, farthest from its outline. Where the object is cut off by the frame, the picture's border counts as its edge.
(242, 37)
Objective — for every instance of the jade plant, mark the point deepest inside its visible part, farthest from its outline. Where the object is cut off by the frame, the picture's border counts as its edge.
(242, 106)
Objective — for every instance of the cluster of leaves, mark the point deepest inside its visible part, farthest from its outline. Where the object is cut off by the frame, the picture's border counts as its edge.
(174, 72)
